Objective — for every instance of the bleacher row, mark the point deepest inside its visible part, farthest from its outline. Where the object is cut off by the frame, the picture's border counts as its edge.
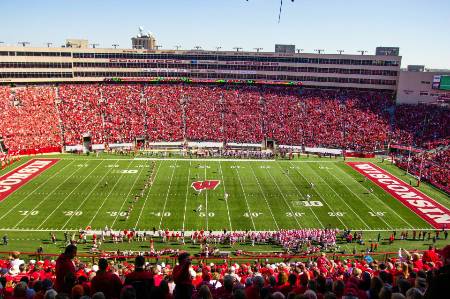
(39, 118)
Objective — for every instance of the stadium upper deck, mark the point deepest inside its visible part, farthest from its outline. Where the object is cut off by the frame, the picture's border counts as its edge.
(30, 65)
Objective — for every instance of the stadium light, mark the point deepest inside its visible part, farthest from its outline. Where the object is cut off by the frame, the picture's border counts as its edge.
(49, 44)
(300, 50)
(115, 46)
(197, 48)
(362, 51)
(237, 49)
(340, 52)
(258, 49)
(218, 48)
(158, 47)
(94, 45)
(319, 51)
(177, 47)
(23, 43)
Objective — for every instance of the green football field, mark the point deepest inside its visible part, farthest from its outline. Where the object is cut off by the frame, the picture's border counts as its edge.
(262, 195)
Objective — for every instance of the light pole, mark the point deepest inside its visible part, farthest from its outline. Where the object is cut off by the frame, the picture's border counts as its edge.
(258, 49)
(94, 45)
(218, 48)
(300, 50)
(158, 47)
(340, 52)
(49, 44)
(197, 48)
(362, 51)
(237, 49)
(177, 47)
(23, 43)
(319, 51)
(115, 46)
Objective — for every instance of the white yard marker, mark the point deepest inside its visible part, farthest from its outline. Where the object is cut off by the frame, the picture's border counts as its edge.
(317, 192)
(126, 197)
(287, 204)
(187, 193)
(265, 199)
(148, 194)
(245, 196)
(390, 227)
(225, 191)
(167, 196)
(372, 194)
(107, 196)
(89, 194)
(206, 204)
(34, 190)
(350, 208)
(54, 210)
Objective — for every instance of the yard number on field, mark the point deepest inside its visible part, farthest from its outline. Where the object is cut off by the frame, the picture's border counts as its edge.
(252, 214)
(28, 213)
(158, 214)
(377, 214)
(336, 214)
(73, 213)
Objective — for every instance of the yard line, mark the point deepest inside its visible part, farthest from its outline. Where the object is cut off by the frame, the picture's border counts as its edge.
(103, 203)
(89, 194)
(359, 198)
(187, 192)
(32, 192)
(54, 210)
(264, 195)
(285, 201)
(378, 199)
(148, 194)
(125, 199)
(206, 204)
(167, 196)
(245, 196)
(47, 196)
(225, 191)
(340, 197)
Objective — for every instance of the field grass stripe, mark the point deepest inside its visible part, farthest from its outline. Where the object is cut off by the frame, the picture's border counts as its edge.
(245, 197)
(110, 192)
(265, 198)
(363, 222)
(376, 196)
(128, 194)
(287, 204)
(148, 194)
(187, 193)
(32, 192)
(89, 194)
(206, 203)
(225, 191)
(381, 218)
(67, 196)
(47, 196)
(167, 195)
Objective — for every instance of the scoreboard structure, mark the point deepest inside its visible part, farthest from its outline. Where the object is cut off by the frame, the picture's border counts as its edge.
(441, 82)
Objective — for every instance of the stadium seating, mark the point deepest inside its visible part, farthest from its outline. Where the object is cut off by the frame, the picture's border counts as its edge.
(411, 275)
(36, 118)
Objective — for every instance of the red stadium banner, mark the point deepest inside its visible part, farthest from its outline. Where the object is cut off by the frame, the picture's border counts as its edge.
(18, 177)
(425, 207)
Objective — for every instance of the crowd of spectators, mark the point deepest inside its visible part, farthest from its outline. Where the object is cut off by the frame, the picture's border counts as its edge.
(28, 118)
(435, 166)
(408, 275)
(33, 116)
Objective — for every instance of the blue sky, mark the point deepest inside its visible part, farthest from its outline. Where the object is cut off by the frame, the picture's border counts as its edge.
(419, 27)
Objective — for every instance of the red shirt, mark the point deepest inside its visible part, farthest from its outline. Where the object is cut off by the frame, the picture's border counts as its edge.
(64, 265)
(108, 283)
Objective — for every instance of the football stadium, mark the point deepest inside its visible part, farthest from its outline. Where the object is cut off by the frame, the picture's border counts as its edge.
(144, 171)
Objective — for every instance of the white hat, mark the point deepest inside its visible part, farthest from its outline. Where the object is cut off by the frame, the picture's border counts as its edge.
(95, 268)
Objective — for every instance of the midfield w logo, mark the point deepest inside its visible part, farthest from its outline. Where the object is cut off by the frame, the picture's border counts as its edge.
(205, 185)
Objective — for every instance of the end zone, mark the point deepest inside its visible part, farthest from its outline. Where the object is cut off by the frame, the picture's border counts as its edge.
(18, 177)
(424, 206)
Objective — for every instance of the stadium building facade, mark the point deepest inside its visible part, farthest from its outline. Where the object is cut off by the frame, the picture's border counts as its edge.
(44, 65)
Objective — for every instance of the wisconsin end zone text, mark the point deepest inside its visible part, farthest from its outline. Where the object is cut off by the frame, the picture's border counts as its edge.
(427, 208)
(12, 181)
